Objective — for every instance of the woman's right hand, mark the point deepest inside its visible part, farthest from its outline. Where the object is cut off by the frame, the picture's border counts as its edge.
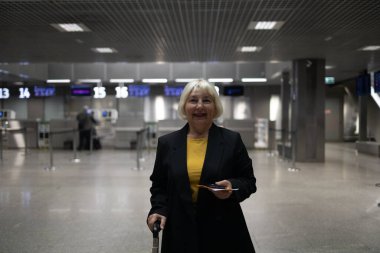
(153, 218)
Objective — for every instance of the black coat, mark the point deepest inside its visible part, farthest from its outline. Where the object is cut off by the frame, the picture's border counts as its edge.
(213, 225)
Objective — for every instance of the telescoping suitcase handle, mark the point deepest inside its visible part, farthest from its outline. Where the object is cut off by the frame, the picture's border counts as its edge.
(156, 239)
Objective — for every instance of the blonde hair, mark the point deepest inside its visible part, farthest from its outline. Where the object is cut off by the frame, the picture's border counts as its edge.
(204, 86)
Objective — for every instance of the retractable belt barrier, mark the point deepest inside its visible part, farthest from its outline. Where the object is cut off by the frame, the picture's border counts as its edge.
(51, 134)
(292, 134)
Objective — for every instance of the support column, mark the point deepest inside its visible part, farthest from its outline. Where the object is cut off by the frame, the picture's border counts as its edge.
(363, 101)
(308, 110)
(285, 100)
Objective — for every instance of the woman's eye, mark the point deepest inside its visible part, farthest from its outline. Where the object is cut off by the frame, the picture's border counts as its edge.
(206, 101)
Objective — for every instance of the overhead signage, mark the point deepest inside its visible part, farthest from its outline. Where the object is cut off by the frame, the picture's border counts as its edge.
(44, 91)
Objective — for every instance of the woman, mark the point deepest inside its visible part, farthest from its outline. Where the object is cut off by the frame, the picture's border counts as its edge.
(194, 219)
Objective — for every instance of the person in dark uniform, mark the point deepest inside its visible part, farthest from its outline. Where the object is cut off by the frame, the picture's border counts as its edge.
(86, 126)
(195, 219)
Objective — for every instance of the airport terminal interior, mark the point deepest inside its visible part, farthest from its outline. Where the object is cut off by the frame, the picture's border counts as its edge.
(299, 80)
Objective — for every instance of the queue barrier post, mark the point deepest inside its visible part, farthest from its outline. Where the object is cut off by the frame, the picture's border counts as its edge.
(293, 167)
(75, 151)
(139, 146)
(51, 165)
(1, 144)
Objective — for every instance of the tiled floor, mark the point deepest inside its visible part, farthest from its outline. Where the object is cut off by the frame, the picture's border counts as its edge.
(100, 204)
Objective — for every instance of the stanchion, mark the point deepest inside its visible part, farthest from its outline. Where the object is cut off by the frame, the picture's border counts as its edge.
(293, 167)
(25, 130)
(139, 147)
(51, 166)
(1, 144)
(75, 158)
(91, 140)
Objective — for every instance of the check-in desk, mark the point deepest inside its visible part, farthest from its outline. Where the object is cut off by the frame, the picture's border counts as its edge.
(63, 130)
(246, 128)
(126, 132)
(19, 133)
(168, 126)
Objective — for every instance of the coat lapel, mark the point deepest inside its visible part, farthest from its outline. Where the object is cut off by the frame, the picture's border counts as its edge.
(214, 153)
(179, 165)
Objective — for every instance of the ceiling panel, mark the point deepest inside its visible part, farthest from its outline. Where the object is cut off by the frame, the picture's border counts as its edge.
(192, 31)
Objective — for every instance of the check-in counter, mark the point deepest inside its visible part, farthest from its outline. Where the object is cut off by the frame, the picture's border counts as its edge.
(246, 128)
(63, 132)
(126, 132)
(18, 133)
(169, 125)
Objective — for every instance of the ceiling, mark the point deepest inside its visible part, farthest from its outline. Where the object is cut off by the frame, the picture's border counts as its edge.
(193, 31)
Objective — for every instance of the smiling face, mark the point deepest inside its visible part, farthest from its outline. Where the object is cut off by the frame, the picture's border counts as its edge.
(200, 112)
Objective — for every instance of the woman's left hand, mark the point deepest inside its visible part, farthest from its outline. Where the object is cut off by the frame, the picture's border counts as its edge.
(223, 194)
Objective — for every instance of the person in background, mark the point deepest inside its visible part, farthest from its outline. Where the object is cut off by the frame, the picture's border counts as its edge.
(195, 219)
(86, 126)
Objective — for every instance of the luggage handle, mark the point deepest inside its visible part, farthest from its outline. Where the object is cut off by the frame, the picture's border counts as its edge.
(156, 228)
(156, 239)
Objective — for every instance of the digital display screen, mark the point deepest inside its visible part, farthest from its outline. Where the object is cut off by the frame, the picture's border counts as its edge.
(138, 90)
(377, 82)
(173, 91)
(1, 114)
(44, 91)
(81, 90)
(236, 90)
(363, 85)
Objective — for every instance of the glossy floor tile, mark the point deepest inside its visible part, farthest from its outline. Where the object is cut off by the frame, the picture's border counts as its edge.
(100, 204)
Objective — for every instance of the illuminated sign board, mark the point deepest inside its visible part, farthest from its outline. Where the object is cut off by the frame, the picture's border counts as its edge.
(4, 93)
(173, 91)
(44, 91)
(80, 90)
(237, 90)
(138, 90)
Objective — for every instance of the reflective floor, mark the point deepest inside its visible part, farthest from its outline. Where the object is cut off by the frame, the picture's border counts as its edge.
(100, 204)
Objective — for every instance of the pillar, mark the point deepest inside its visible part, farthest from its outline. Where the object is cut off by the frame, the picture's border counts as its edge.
(308, 110)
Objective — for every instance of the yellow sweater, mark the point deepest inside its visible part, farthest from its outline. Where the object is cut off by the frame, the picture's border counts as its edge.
(196, 152)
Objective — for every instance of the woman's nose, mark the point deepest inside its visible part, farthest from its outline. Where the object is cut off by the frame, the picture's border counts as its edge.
(199, 103)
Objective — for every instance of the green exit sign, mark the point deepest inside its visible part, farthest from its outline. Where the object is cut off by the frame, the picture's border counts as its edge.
(329, 80)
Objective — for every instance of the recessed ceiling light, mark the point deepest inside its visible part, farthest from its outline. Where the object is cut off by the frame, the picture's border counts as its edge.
(154, 80)
(71, 27)
(122, 80)
(58, 81)
(184, 80)
(265, 25)
(220, 80)
(249, 49)
(104, 50)
(253, 80)
(370, 48)
(89, 81)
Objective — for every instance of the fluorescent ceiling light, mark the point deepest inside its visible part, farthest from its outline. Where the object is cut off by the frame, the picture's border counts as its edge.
(71, 27)
(250, 49)
(253, 80)
(58, 81)
(185, 80)
(220, 80)
(155, 80)
(329, 67)
(370, 48)
(89, 80)
(122, 80)
(104, 50)
(265, 25)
